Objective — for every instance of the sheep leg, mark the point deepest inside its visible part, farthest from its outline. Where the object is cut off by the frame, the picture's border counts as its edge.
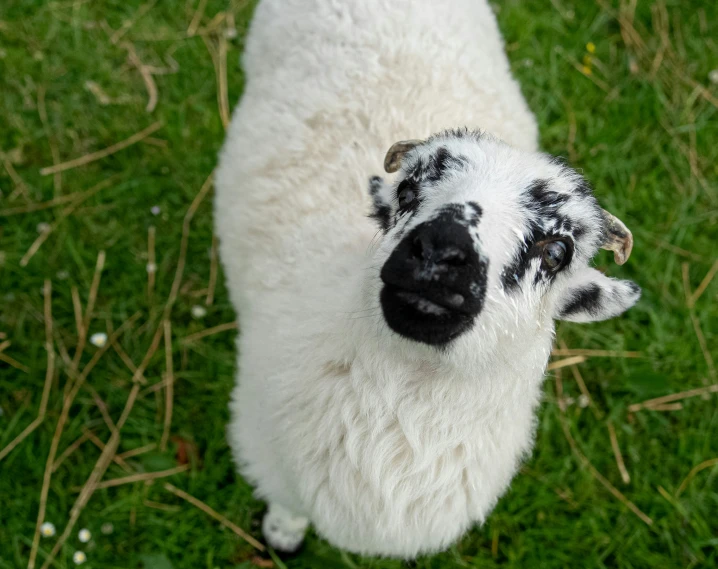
(283, 530)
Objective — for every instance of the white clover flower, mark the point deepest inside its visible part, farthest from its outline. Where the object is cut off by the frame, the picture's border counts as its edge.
(155, 209)
(98, 339)
(151, 268)
(198, 311)
(713, 76)
(107, 528)
(47, 529)
(43, 227)
(84, 535)
(583, 401)
(79, 557)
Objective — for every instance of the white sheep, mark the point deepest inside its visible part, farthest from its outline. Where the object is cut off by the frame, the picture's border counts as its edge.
(388, 379)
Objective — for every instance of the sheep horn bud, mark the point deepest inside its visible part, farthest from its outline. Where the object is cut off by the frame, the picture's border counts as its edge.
(392, 161)
(619, 238)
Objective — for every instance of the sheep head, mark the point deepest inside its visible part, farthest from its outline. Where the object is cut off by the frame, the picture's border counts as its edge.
(480, 235)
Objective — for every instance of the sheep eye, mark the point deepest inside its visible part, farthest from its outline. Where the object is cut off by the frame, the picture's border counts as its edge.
(407, 195)
(553, 255)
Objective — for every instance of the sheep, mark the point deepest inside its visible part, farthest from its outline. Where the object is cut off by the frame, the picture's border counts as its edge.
(390, 364)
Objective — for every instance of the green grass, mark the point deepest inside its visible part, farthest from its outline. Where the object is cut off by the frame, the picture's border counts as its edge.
(642, 132)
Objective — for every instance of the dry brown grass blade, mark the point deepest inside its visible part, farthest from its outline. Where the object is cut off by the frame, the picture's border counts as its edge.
(209, 331)
(20, 185)
(566, 362)
(4, 345)
(666, 407)
(76, 196)
(102, 406)
(217, 516)
(119, 350)
(695, 470)
(681, 252)
(704, 284)
(169, 378)
(584, 391)
(196, 18)
(95, 440)
(595, 353)
(146, 75)
(69, 450)
(98, 155)
(690, 301)
(91, 298)
(142, 477)
(13, 362)
(49, 374)
(704, 348)
(559, 391)
(137, 451)
(617, 454)
(213, 25)
(160, 506)
(651, 403)
(176, 283)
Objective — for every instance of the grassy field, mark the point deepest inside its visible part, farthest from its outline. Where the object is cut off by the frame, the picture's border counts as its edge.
(625, 92)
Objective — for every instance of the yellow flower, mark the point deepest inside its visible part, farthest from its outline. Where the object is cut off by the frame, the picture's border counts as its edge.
(586, 70)
(591, 47)
(587, 59)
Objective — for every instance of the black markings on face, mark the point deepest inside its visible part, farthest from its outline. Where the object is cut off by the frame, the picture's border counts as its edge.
(475, 213)
(543, 201)
(546, 223)
(381, 211)
(513, 272)
(587, 299)
(431, 169)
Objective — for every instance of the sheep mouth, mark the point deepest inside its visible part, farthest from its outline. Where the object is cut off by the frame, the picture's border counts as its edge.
(423, 318)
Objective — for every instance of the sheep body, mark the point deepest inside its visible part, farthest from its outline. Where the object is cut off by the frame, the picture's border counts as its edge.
(387, 446)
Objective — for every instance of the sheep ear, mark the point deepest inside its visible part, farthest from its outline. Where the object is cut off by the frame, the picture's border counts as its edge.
(392, 160)
(592, 296)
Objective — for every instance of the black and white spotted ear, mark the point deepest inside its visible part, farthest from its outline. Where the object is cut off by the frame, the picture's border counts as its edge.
(380, 198)
(592, 296)
(392, 160)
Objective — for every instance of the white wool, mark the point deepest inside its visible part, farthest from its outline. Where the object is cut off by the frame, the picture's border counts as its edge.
(388, 446)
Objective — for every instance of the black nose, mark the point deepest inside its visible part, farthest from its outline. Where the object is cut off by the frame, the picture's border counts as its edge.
(438, 247)
(434, 281)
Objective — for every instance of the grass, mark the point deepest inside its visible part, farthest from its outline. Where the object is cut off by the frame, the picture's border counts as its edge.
(638, 116)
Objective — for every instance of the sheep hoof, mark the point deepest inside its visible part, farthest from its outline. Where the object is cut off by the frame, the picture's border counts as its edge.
(283, 531)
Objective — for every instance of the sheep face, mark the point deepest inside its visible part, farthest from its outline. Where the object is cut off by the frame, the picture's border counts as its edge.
(482, 238)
